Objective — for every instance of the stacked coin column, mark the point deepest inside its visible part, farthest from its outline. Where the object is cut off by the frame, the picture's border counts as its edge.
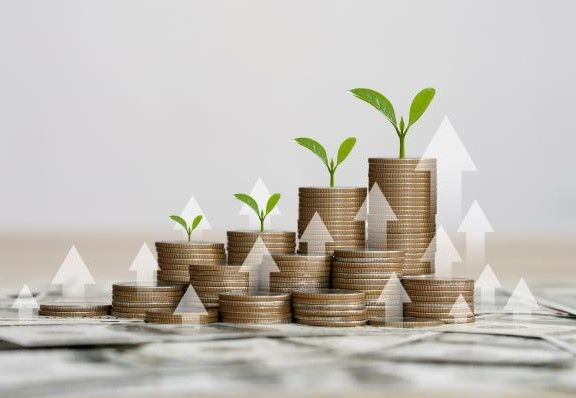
(174, 258)
(240, 243)
(211, 280)
(300, 271)
(131, 300)
(255, 307)
(338, 209)
(370, 271)
(329, 307)
(409, 186)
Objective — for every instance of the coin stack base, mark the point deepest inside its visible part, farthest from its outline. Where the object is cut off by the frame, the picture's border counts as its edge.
(69, 309)
(211, 280)
(407, 323)
(338, 209)
(240, 243)
(169, 317)
(409, 186)
(450, 300)
(329, 307)
(300, 271)
(174, 258)
(254, 307)
(132, 300)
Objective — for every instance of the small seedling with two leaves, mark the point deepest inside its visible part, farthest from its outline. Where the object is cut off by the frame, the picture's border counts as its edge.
(261, 213)
(345, 148)
(189, 228)
(381, 103)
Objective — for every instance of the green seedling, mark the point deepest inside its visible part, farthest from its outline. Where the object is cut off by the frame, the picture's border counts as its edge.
(345, 148)
(381, 103)
(189, 228)
(261, 213)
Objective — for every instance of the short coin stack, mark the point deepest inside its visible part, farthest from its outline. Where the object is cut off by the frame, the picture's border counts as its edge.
(255, 307)
(298, 271)
(169, 317)
(175, 257)
(338, 209)
(409, 186)
(211, 280)
(329, 307)
(450, 300)
(407, 323)
(132, 300)
(370, 271)
(240, 243)
(65, 309)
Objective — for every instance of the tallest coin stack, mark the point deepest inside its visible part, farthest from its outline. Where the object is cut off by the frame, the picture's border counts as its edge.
(409, 186)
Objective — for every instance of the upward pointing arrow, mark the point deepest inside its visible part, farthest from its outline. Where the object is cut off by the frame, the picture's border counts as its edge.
(25, 303)
(259, 264)
(316, 235)
(145, 265)
(460, 311)
(377, 212)
(73, 275)
(453, 159)
(475, 225)
(441, 250)
(521, 302)
(260, 193)
(191, 303)
(191, 210)
(393, 297)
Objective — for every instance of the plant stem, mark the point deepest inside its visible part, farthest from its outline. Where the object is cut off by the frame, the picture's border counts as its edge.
(401, 137)
(261, 225)
(189, 236)
(332, 178)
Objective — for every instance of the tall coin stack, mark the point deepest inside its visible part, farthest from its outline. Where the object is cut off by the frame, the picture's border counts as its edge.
(370, 271)
(210, 280)
(298, 271)
(409, 186)
(338, 209)
(329, 307)
(175, 257)
(255, 307)
(240, 243)
(131, 300)
(450, 300)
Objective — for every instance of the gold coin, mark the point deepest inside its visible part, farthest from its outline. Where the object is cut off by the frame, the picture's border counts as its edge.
(255, 312)
(407, 323)
(183, 262)
(130, 315)
(259, 321)
(435, 280)
(74, 306)
(327, 295)
(181, 319)
(328, 323)
(369, 253)
(73, 314)
(340, 190)
(257, 234)
(138, 310)
(147, 287)
(224, 268)
(409, 161)
(187, 245)
(254, 296)
(322, 313)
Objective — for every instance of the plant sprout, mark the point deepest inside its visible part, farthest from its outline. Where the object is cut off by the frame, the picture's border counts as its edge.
(189, 228)
(345, 148)
(261, 213)
(417, 108)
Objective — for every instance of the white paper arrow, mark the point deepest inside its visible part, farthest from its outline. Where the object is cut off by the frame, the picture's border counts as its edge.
(190, 304)
(25, 303)
(452, 159)
(73, 275)
(191, 210)
(486, 284)
(521, 303)
(441, 250)
(460, 311)
(260, 193)
(259, 264)
(316, 235)
(393, 297)
(145, 265)
(377, 212)
(475, 225)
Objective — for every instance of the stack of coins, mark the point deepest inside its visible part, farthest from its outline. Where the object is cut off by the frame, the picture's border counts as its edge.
(370, 271)
(450, 300)
(240, 243)
(169, 317)
(409, 186)
(211, 280)
(65, 309)
(338, 210)
(298, 271)
(131, 300)
(175, 257)
(329, 307)
(255, 307)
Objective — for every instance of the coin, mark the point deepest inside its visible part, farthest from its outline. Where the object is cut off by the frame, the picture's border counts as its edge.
(369, 253)
(257, 234)
(332, 190)
(74, 306)
(130, 315)
(407, 323)
(147, 287)
(168, 317)
(328, 323)
(254, 296)
(327, 295)
(259, 321)
(73, 314)
(192, 244)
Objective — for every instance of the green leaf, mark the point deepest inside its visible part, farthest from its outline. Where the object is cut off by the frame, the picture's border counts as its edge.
(248, 200)
(420, 104)
(180, 221)
(401, 125)
(345, 148)
(197, 220)
(272, 202)
(378, 101)
(313, 146)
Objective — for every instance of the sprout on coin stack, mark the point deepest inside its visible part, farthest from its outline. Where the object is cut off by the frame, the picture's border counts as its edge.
(255, 307)
(327, 215)
(408, 184)
(241, 242)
